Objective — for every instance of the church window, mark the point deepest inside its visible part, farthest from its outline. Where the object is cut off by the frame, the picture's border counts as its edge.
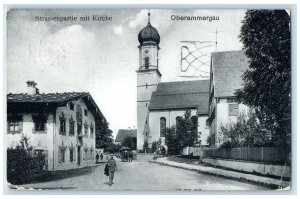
(195, 123)
(233, 109)
(62, 124)
(162, 126)
(85, 112)
(146, 104)
(178, 118)
(15, 124)
(71, 126)
(146, 85)
(146, 62)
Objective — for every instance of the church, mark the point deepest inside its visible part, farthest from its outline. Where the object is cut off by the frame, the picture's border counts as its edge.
(212, 102)
(159, 104)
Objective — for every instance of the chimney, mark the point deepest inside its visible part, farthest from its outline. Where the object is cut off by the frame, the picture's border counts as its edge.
(31, 89)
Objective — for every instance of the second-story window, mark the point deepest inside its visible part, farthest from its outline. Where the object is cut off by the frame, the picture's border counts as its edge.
(86, 129)
(92, 130)
(62, 124)
(40, 122)
(15, 124)
(71, 126)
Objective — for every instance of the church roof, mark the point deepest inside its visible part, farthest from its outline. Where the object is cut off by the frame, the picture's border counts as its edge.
(228, 68)
(123, 133)
(181, 95)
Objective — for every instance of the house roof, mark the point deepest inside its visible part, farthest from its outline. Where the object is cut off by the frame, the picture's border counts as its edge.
(228, 68)
(124, 133)
(55, 99)
(181, 95)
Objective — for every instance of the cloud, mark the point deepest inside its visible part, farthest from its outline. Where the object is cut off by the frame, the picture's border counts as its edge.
(140, 18)
(118, 30)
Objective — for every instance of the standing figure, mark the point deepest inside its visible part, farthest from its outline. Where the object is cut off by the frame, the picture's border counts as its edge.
(97, 158)
(112, 164)
(101, 157)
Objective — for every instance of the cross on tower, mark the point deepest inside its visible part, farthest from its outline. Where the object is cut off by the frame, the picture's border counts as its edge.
(217, 38)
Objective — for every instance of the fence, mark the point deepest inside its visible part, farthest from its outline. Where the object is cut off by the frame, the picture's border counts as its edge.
(258, 154)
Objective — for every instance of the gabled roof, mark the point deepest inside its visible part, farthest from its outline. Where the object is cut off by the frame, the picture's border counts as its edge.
(45, 97)
(124, 133)
(55, 99)
(228, 68)
(181, 95)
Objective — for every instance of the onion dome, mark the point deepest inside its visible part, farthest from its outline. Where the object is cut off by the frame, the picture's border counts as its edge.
(149, 33)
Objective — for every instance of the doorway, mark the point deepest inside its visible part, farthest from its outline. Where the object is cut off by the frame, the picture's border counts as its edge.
(78, 155)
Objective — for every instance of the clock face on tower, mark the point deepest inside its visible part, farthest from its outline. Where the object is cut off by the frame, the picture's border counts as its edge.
(146, 51)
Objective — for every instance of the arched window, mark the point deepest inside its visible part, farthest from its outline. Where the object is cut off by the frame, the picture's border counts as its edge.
(146, 62)
(162, 126)
(178, 118)
(195, 123)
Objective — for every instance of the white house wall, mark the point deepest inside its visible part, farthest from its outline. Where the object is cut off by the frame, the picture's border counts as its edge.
(68, 140)
(36, 140)
(223, 118)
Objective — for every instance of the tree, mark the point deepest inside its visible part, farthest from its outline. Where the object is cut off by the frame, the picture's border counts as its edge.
(171, 140)
(246, 132)
(129, 142)
(154, 146)
(104, 136)
(265, 35)
(186, 131)
(185, 134)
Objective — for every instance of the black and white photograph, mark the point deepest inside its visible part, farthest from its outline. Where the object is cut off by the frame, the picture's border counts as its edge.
(148, 99)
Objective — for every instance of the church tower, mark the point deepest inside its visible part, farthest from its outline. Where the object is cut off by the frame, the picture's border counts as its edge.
(148, 76)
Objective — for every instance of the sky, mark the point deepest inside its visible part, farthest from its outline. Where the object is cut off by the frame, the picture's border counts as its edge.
(101, 57)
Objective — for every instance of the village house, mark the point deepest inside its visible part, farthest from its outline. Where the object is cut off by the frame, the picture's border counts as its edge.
(226, 73)
(124, 133)
(60, 125)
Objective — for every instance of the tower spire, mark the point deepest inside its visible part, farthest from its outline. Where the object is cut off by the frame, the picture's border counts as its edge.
(149, 16)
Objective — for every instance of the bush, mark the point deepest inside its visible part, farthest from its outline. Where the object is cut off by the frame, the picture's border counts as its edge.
(22, 165)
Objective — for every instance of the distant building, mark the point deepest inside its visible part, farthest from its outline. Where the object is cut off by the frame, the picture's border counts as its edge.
(226, 73)
(60, 125)
(159, 104)
(124, 133)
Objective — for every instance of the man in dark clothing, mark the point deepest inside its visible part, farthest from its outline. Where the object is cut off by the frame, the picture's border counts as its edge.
(101, 156)
(97, 158)
(112, 168)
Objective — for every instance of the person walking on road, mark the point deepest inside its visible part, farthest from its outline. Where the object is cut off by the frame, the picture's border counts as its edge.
(112, 164)
(97, 158)
(101, 156)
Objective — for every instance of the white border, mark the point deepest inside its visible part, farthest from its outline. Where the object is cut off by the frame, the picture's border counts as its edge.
(150, 3)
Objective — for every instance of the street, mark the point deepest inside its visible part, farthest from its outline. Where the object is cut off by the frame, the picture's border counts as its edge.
(144, 176)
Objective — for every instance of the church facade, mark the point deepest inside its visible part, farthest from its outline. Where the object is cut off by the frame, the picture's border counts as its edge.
(160, 103)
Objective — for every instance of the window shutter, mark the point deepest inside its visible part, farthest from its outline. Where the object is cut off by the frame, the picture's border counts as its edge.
(74, 155)
(59, 156)
(20, 126)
